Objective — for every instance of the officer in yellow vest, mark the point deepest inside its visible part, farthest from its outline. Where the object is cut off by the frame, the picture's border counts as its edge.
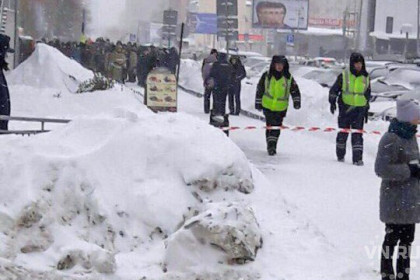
(274, 91)
(352, 90)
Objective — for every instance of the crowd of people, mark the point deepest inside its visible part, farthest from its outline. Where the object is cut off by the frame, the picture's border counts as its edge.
(120, 62)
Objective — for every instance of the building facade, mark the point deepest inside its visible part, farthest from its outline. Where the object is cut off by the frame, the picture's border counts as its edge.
(395, 32)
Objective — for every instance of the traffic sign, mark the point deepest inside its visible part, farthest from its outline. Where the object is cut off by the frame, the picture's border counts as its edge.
(227, 8)
(232, 35)
(170, 17)
(290, 39)
(227, 23)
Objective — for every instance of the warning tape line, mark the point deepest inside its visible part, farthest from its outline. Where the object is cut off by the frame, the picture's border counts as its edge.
(301, 128)
(294, 129)
(308, 129)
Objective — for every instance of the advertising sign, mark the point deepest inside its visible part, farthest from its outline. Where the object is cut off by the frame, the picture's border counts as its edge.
(280, 14)
(161, 90)
(202, 23)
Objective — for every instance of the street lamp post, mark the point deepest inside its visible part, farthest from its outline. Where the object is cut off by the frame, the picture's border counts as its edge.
(16, 43)
(418, 28)
(406, 28)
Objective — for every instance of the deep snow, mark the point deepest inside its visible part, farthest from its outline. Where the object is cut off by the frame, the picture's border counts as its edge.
(122, 177)
(108, 188)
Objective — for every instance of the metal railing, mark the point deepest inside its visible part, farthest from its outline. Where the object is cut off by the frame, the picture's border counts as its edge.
(43, 121)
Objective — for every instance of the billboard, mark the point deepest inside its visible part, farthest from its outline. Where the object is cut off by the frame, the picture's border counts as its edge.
(280, 14)
(202, 23)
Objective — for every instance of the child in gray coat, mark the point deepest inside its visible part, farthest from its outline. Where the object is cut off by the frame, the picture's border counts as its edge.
(397, 163)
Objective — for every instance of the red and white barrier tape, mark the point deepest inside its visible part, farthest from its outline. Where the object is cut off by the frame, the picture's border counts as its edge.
(301, 128)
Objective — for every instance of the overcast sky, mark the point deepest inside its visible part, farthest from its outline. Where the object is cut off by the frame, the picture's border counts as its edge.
(105, 14)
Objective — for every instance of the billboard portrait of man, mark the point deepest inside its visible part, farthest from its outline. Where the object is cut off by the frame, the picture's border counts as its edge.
(271, 14)
(280, 14)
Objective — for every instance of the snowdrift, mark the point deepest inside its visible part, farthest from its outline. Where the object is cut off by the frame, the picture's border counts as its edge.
(86, 196)
(42, 87)
(47, 67)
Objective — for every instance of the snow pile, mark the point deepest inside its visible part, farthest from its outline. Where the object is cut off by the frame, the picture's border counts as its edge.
(231, 228)
(47, 67)
(105, 191)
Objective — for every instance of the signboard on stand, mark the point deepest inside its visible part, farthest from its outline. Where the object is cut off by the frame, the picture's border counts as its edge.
(161, 93)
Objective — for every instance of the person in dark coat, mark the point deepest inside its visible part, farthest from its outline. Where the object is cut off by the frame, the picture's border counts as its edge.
(352, 90)
(99, 56)
(397, 163)
(132, 60)
(274, 91)
(221, 73)
(5, 106)
(173, 60)
(146, 64)
(76, 52)
(238, 75)
(141, 66)
(208, 82)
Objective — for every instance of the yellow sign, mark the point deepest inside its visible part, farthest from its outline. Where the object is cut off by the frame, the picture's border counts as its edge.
(161, 90)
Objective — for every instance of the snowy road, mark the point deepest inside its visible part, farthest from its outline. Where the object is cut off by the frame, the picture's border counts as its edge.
(340, 200)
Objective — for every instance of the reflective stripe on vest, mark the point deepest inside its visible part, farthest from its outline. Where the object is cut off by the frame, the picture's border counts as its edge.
(354, 89)
(277, 93)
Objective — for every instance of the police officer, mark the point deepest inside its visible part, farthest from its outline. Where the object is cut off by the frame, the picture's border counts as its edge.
(273, 94)
(352, 90)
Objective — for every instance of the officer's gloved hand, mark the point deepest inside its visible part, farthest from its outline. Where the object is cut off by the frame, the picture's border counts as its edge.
(414, 168)
(258, 107)
(367, 113)
(333, 108)
(296, 105)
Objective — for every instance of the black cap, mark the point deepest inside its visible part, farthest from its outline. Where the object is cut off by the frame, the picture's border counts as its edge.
(5, 44)
(279, 59)
(357, 57)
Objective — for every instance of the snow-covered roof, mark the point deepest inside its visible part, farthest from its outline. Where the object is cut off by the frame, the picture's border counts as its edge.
(385, 36)
(321, 31)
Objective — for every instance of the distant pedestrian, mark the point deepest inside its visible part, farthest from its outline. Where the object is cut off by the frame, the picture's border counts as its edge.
(238, 75)
(118, 64)
(221, 73)
(208, 81)
(5, 106)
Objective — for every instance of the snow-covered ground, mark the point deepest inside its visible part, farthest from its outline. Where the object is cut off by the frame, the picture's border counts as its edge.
(341, 201)
(114, 187)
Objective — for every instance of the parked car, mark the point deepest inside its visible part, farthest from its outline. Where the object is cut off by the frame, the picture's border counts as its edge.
(325, 77)
(398, 81)
(258, 69)
(255, 60)
(386, 109)
(324, 62)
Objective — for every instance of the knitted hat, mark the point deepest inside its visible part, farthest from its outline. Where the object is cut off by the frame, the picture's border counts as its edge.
(408, 110)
